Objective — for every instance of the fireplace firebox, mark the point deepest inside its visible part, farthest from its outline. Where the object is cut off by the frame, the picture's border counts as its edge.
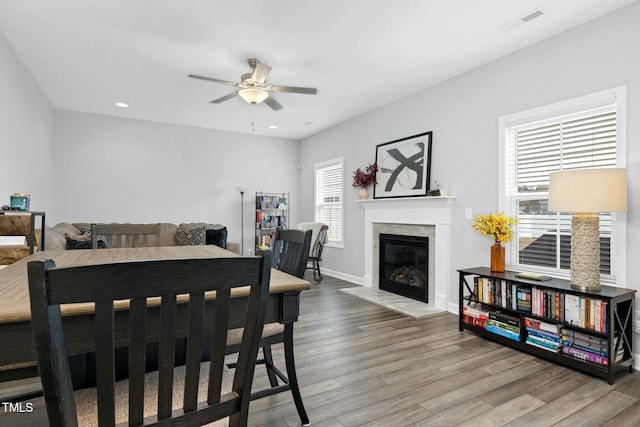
(403, 267)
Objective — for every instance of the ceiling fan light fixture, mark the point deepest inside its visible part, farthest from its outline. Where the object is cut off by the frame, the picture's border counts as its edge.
(253, 95)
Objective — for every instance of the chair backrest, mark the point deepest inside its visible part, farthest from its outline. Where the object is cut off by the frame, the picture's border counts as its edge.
(126, 235)
(291, 251)
(318, 245)
(318, 237)
(51, 287)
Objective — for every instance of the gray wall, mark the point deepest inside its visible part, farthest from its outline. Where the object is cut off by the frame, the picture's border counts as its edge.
(463, 112)
(25, 133)
(110, 169)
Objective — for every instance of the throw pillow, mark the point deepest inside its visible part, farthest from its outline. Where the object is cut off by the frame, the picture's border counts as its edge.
(195, 236)
(217, 237)
(82, 244)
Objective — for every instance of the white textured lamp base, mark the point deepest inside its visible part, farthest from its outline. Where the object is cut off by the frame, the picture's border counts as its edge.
(585, 251)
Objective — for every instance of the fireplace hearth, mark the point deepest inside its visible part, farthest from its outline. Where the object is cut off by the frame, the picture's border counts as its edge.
(403, 266)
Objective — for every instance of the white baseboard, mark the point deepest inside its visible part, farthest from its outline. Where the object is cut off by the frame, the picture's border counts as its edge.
(346, 277)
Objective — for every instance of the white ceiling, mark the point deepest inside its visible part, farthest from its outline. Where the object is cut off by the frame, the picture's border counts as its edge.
(87, 55)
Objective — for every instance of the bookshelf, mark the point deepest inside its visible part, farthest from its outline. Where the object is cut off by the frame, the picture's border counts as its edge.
(591, 331)
(272, 214)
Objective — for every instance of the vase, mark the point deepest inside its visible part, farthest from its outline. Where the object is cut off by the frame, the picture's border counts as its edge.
(363, 193)
(497, 257)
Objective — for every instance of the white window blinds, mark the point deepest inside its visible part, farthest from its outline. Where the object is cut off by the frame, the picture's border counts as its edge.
(572, 136)
(329, 189)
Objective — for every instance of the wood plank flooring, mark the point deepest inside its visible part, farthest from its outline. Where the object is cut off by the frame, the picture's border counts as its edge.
(360, 364)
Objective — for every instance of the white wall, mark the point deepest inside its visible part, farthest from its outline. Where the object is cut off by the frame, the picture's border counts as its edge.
(463, 113)
(110, 169)
(25, 133)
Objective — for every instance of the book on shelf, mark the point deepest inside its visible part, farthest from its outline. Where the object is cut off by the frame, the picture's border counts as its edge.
(571, 334)
(505, 318)
(604, 352)
(588, 313)
(475, 316)
(503, 332)
(498, 324)
(543, 326)
(585, 355)
(544, 346)
(544, 335)
(523, 298)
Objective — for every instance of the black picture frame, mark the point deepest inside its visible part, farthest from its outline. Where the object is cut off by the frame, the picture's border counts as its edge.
(404, 167)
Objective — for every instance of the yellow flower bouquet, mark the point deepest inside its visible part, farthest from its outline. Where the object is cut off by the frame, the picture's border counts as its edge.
(498, 226)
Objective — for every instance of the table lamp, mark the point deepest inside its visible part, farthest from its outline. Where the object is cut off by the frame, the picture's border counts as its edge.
(586, 192)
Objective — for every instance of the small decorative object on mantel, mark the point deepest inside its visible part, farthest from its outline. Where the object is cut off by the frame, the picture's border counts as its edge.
(498, 226)
(436, 190)
(363, 179)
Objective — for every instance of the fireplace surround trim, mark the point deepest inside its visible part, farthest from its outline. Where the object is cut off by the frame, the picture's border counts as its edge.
(435, 211)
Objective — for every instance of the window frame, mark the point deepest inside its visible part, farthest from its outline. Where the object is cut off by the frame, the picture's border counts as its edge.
(617, 96)
(318, 167)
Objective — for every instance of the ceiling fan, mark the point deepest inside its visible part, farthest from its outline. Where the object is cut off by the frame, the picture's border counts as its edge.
(253, 86)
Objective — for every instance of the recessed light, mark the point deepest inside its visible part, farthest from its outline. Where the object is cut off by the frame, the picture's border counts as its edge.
(121, 105)
(273, 126)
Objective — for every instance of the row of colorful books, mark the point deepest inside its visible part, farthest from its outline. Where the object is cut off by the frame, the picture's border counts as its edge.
(504, 324)
(475, 316)
(588, 313)
(588, 347)
(543, 334)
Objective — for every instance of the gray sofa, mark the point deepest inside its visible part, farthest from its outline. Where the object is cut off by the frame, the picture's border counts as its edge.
(56, 237)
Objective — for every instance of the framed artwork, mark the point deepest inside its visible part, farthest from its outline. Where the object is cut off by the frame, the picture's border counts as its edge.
(404, 167)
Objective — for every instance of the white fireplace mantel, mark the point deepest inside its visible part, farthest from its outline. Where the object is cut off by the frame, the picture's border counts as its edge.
(435, 211)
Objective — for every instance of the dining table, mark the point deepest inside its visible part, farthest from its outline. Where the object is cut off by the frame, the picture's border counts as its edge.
(17, 353)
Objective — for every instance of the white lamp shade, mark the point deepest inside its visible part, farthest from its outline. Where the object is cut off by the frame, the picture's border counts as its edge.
(253, 95)
(588, 190)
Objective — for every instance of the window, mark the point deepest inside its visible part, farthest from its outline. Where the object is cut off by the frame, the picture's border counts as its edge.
(329, 189)
(583, 133)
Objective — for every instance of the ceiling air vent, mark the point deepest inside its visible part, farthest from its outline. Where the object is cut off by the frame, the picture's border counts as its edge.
(526, 18)
(533, 15)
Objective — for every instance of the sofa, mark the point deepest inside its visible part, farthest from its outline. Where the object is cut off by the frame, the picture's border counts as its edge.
(78, 235)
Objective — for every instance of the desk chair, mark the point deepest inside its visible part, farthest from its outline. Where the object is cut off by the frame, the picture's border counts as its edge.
(290, 254)
(201, 399)
(126, 235)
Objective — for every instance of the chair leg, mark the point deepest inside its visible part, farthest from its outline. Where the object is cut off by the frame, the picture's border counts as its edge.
(291, 373)
(268, 363)
(316, 269)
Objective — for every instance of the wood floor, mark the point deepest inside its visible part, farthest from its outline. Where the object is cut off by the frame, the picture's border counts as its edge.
(361, 364)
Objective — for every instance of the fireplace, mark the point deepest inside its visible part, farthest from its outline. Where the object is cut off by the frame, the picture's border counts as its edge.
(413, 216)
(403, 265)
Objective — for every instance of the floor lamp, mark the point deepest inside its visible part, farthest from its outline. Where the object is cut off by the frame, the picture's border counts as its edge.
(242, 190)
(585, 192)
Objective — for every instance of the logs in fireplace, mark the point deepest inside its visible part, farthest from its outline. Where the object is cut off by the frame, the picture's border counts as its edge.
(404, 265)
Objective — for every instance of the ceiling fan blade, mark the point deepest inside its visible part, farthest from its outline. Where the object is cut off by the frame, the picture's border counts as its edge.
(271, 102)
(224, 98)
(292, 89)
(260, 73)
(211, 79)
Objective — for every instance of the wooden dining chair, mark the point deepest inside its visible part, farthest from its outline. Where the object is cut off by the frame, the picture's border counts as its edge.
(290, 255)
(318, 240)
(126, 235)
(200, 399)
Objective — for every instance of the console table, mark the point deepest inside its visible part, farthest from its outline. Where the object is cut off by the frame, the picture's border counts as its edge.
(591, 330)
